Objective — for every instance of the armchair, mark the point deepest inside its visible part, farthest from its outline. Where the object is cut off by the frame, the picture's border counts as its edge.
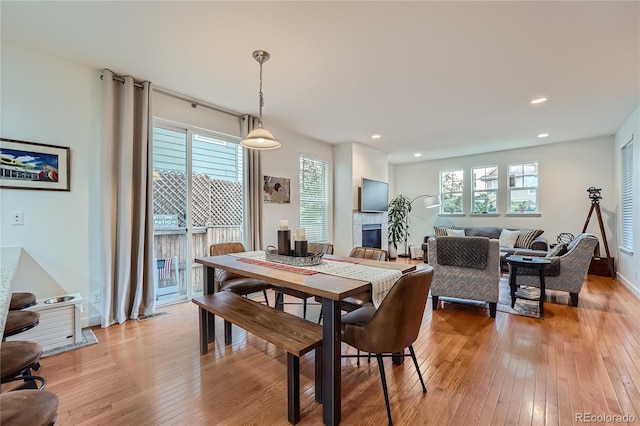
(465, 268)
(567, 272)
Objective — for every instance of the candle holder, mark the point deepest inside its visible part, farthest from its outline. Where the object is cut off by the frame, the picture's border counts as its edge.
(284, 246)
(301, 248)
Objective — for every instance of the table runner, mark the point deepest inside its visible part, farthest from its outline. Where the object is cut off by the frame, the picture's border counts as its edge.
(284, 267)
(381, 279)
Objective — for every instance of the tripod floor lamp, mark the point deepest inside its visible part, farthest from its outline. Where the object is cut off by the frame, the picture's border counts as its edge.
(430, 201)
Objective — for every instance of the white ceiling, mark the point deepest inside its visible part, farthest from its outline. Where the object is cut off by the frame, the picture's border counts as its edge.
(440, 78)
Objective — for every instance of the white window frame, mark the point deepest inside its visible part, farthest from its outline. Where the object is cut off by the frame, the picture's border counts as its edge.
(626, 196)
(316, 228)
(532, 189)
(445, 194)
(487, 170)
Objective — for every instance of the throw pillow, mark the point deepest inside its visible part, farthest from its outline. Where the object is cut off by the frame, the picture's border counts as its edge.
(441, 231)
(508, 238)
(455, 233)
(558, 250)
(527, 236)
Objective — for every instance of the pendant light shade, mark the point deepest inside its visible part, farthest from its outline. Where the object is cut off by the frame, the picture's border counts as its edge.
(260, 138)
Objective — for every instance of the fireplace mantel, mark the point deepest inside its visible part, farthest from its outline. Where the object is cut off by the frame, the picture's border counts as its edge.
(360, 218)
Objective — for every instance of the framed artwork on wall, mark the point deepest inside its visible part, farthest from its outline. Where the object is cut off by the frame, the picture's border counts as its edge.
(276, 190)
(31, 165)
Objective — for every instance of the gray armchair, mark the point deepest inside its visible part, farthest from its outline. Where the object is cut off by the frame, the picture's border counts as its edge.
(465, 268)
(567, 272)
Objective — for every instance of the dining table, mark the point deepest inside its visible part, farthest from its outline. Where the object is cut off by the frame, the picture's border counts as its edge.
(330, 288)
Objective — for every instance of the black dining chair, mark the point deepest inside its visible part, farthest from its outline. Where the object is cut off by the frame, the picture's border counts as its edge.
(326, 248)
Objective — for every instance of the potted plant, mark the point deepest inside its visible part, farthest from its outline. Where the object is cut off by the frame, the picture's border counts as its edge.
(399, 209)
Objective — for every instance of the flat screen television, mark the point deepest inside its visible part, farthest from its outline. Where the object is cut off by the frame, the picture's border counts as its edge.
(374, 196)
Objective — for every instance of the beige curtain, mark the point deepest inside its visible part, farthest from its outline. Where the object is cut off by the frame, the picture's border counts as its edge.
(127, 213)
(253, 196)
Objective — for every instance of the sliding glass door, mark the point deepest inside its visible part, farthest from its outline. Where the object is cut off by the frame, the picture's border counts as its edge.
(198, 193)
(170, 230)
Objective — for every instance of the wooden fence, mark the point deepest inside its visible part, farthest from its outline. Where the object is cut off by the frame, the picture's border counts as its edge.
(172, 242)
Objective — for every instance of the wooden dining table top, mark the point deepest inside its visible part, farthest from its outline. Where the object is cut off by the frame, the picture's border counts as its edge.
(319, 284)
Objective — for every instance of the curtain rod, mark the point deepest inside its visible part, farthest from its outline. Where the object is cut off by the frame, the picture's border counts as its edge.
(194, 102)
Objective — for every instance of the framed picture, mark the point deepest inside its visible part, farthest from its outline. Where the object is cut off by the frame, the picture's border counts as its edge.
(276, 190)
(31, 165)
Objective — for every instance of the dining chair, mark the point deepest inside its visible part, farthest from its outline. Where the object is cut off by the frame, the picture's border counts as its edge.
(28, 407)
(230, 281)
(17, 360)
(326, 248)
(363, 298)
(20, 301)
(393, 326)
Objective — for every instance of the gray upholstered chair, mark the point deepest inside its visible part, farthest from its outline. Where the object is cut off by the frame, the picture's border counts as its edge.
(229, 281)
(392, 327)
(465, 268)
(566, 272)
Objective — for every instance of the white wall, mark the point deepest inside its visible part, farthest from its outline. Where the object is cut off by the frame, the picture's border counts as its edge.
(629, 263)
(285, 162)
(54, 102)
(566, 171)
(353, 161)
(343, 198)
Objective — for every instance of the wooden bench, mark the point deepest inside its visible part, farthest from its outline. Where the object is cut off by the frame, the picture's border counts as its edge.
(288, 332)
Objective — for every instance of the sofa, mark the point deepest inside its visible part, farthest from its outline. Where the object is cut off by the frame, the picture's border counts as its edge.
(528, 240)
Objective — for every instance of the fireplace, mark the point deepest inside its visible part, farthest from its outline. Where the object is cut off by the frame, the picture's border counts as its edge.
(372, 235)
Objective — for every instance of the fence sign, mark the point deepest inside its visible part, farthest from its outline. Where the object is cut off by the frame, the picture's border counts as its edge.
(165, 221)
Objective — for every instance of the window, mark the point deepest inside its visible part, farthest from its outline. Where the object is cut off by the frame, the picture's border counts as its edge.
(451, 185)
(484, 197)
(314, 198)
(627, 196)
(523, 187)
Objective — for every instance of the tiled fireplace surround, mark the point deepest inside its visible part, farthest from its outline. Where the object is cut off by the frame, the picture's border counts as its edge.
(360, 219)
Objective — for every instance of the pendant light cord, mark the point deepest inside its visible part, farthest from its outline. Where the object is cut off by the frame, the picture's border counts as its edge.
(261, 97)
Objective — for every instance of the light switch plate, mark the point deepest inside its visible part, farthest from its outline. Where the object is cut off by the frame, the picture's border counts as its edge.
(17, 218)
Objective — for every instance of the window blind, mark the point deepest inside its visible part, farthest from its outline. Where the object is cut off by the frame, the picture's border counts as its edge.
(314, 198)
(627, 195)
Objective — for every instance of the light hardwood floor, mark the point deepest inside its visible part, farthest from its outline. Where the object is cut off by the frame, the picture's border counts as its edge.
(478, 370)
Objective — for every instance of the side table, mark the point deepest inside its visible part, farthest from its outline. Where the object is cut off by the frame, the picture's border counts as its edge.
(539, 263)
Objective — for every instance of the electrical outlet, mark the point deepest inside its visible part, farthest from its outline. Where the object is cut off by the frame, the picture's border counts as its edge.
(96, 297)
(17, 218)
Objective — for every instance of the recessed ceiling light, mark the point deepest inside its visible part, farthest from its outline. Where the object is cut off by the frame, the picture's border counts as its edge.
(538, 100)
(543, 135)
(417, 154)
(375, 136)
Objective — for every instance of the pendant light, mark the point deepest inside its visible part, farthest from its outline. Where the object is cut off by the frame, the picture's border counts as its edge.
(260, 138)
